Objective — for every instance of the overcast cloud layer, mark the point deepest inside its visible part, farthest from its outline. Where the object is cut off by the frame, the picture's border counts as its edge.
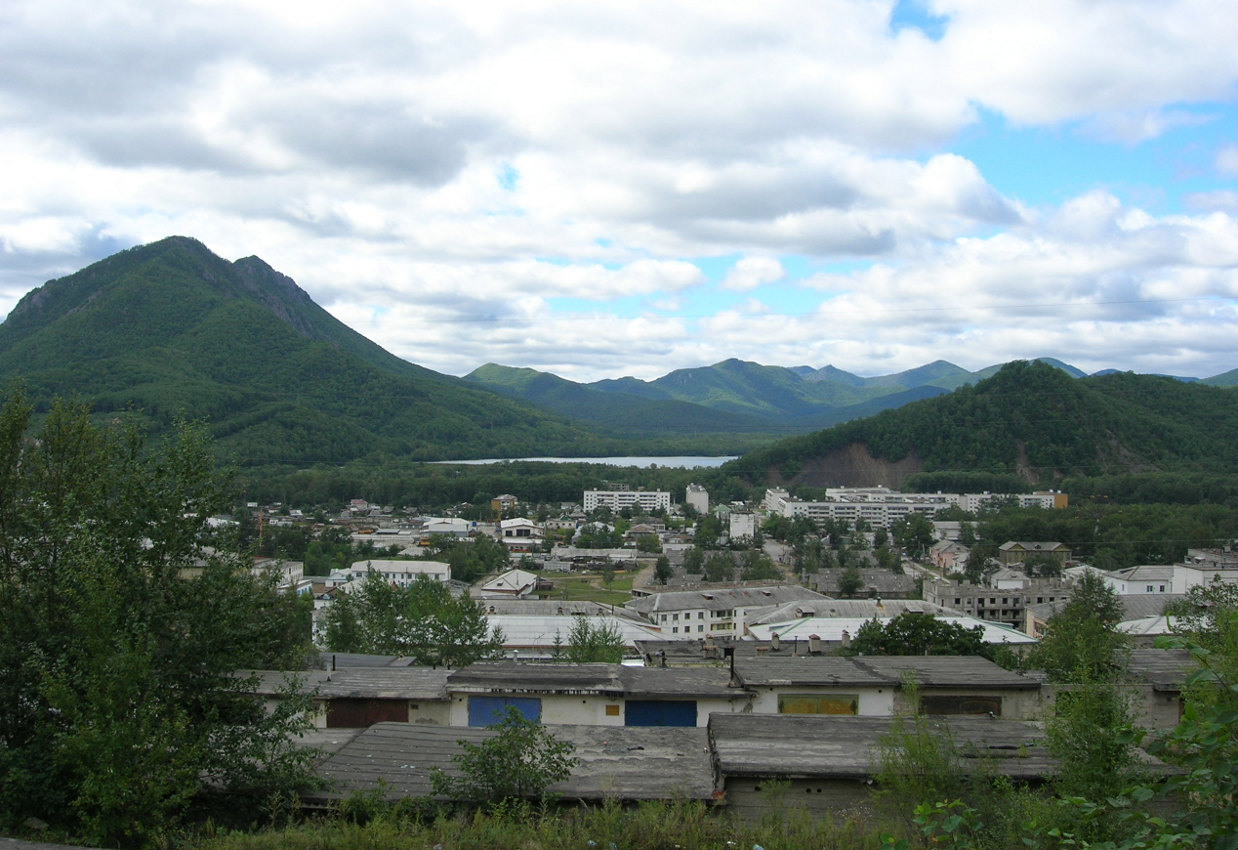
(624, 188)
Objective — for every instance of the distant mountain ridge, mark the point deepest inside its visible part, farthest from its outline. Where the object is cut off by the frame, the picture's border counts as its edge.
(751, 396)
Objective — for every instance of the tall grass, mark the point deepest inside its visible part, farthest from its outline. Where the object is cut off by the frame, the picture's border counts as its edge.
(648, 826)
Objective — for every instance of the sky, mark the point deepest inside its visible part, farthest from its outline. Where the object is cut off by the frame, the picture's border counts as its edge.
(599, 189)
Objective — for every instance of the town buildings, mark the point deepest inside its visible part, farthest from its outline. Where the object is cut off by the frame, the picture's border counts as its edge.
(880, 507)
(643, 500)
(1004, 598)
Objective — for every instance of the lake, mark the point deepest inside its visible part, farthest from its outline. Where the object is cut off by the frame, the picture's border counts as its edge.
(681, 462)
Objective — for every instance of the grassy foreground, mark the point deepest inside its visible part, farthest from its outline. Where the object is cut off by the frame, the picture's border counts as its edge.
(650, 826)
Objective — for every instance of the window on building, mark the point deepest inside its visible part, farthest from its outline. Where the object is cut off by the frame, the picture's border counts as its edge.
(817, 704)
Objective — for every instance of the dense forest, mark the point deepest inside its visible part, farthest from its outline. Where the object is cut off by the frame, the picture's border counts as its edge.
(1033, 423)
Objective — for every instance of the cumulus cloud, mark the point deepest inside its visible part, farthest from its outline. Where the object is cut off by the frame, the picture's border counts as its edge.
(751, 272)
(563, 185)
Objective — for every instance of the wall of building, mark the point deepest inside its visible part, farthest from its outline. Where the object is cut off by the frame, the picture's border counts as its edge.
(750, 799)
(872, 702)
(1010, 705)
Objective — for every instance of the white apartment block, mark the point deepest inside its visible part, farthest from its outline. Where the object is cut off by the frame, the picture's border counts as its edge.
(697, 497)
(743, 525)
(881, 507)
(617, 500)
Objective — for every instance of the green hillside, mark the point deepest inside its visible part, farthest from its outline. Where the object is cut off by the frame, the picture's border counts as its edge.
(744, 397)
(1030, 421)
(634, 417)
(170, 329)
(734, 396)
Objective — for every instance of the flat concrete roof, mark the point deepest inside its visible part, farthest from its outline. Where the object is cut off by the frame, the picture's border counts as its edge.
(933, 671)
(1164, 669)
(614, 762)
(843, 747)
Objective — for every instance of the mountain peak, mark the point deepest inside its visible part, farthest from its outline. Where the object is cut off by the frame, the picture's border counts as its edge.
(169, 329)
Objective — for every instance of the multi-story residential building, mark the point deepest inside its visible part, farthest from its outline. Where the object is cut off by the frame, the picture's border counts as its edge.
(1020, 551)
(1005, 604)
(617, 500)
(743, 525)
(949, 555)
(881, 507)
(697, 498)
(499, 504)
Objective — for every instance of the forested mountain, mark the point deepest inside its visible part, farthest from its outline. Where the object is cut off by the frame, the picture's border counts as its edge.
(742, 396)
(170, 329)
(733, 396)
(636, 413)
(1030, 423)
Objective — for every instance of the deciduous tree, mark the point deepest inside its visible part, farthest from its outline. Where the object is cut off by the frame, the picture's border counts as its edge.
(913, 633)
(590, 641)
(123, 632)
(520, 761)
(422, 621)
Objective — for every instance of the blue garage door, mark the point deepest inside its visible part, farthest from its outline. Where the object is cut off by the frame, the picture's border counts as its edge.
(486, 711)
(658, 712)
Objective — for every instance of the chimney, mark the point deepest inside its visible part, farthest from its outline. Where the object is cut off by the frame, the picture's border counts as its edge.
(775, 642)
(814, 644)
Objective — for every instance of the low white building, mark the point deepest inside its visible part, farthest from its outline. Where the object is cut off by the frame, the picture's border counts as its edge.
(592, 694)
(719, 612)
(1167, 578)
(784, 682)
(447, 526)
(401, 573)
(291, 573)
(513, 583)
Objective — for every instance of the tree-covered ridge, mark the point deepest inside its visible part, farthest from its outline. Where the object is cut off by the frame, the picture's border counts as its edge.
(741, 396)
(733, 396)
(1034, 422)
(169, 329)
